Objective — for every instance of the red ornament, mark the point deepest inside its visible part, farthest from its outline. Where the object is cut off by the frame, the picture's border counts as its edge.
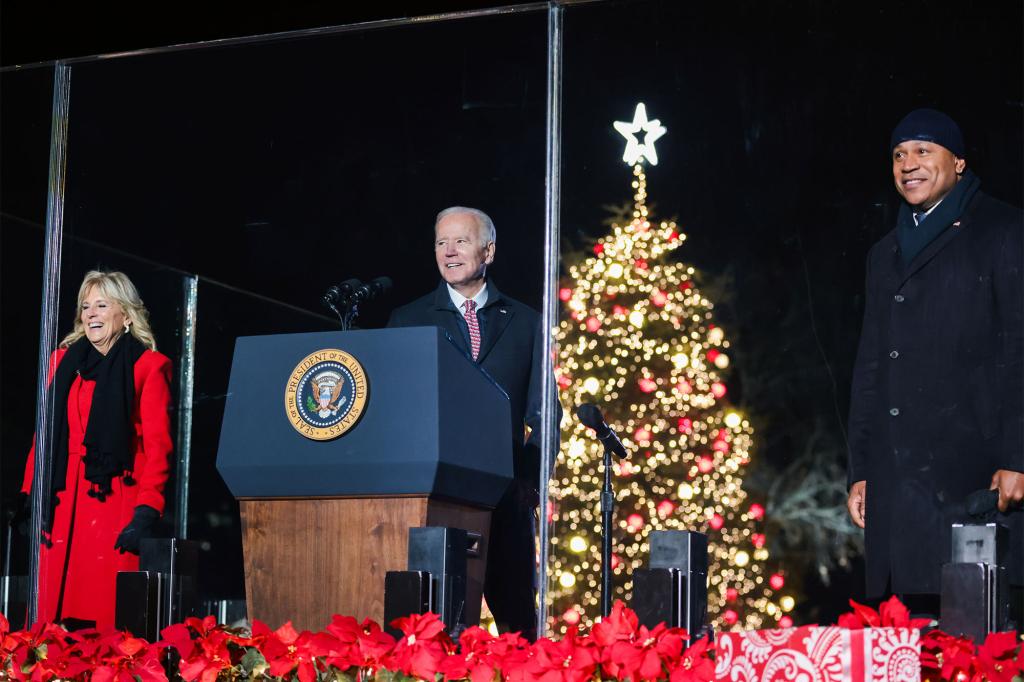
(565, 293)
(659, 298)
(673, 236)
(593, 324)
(712, 354)
(616, 561)
(730, 617)
(564, 382)
(685, 425)
(640, 264)
(571, 616)
(618, 310)
(598, 249)
(731, 594)
(777, 581)
(642, 435)
(622, 468)
(684, 387)
(665, 508)
(716, 522)
(634, 522)
(718, 389)
(720, 446)
(756, 512)
(576, 315)
(705, 464)
(758, 540)
(686, 286)
(785, 622)
(647, 385)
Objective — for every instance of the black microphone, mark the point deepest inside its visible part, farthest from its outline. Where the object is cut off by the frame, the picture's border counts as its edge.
(375, 288)
(340, 292)
(591, 417)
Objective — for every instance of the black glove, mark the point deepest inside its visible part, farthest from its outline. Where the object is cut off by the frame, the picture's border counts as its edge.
(22, 515)
(139, 528)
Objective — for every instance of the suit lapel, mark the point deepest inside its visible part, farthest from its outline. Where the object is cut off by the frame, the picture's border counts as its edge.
(498, 317)
(444, 313)
(937, 245)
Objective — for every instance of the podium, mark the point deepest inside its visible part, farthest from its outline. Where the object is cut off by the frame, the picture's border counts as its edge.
(427, 442)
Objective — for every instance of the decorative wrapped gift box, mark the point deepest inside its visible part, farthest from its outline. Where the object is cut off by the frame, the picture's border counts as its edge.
(820, 654)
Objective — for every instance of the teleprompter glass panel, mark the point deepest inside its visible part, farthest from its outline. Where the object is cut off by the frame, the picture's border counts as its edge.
(271, 170)
(723, 359)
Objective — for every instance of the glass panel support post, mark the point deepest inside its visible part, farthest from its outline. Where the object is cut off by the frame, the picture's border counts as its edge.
(54, 237)
(549, 317)
(186, 385)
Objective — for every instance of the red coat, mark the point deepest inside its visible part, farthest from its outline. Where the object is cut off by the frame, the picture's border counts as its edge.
(86, 552)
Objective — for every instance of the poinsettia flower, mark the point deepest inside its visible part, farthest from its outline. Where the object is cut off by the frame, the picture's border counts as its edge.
(621, 624)
(995, 660)
(287, 649)
(209, 656)
(568, 660)
(696, 663)
(39, 654)
(423, 648)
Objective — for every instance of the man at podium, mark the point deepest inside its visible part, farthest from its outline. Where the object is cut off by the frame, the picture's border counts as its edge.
(503, 337)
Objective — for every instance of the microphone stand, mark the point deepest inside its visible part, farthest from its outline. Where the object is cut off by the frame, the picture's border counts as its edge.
(607, 510)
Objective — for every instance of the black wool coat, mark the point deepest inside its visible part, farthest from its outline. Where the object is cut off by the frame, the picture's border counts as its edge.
(936, 404)
(511, 353)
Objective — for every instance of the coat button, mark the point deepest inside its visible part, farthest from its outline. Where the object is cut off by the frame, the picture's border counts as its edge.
(894, 354)
(895, 412)
(899, 298)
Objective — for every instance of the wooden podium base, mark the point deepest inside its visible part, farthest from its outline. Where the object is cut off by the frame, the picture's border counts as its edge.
(307, 559)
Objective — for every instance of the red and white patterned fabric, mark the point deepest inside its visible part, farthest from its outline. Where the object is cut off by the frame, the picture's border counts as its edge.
(819, 654)
(474, 327)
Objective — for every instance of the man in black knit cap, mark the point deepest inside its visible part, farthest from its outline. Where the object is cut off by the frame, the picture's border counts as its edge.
(936, 407)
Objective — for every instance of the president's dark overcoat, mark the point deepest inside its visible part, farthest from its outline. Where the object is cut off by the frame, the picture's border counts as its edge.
(936, 404)
(510, 352)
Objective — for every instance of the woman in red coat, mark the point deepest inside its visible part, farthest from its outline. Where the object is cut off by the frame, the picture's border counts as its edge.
(111, 446)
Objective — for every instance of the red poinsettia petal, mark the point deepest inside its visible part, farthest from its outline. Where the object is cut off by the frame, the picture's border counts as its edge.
(867, 614)
(287, 633)
(179, 637)
(999, 644)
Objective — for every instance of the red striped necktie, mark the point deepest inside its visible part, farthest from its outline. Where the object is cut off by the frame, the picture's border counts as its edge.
(474, 327)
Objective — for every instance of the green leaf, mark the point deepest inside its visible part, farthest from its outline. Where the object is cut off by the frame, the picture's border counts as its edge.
(253, 663)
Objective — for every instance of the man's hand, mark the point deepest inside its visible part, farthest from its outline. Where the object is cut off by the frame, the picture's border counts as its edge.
(855, 503)
(1010, 485)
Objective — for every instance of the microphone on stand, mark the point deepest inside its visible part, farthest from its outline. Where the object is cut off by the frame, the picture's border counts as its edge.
(590, 415)
(340, 293)
(375, 288)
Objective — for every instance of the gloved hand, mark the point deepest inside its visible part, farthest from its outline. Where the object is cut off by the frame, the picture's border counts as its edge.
(22, 514)
(137, 529)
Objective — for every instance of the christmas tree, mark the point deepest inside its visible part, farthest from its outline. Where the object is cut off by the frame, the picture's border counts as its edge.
(639, 340)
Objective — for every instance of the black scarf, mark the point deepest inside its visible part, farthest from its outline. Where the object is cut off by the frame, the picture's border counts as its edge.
(914, 238)
(108, 436)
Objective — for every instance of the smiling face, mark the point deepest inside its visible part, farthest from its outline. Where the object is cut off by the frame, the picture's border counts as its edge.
(462, 253)
(103, 320)
(925, 172)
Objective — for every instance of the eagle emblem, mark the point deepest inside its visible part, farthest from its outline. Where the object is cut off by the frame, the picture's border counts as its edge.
(327, 387)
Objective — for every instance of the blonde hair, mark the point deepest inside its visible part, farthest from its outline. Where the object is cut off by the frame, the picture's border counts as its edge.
(116, 287)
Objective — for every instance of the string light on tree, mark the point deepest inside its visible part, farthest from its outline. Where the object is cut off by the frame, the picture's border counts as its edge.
(639, 339)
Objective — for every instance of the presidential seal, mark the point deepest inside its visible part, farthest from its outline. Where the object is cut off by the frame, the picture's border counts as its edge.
(326, 394)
